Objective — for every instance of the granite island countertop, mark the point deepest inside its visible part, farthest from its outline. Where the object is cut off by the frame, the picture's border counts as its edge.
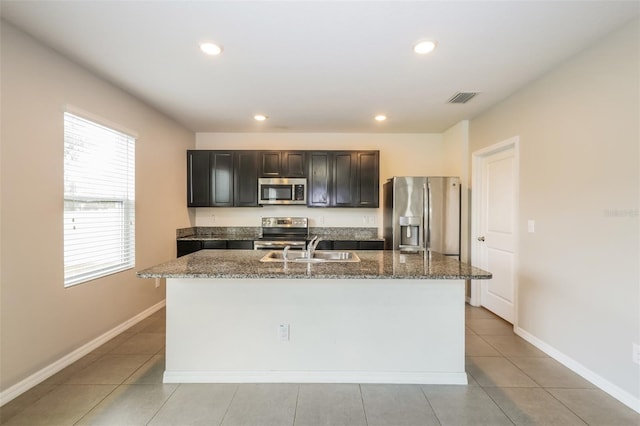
(374, 264)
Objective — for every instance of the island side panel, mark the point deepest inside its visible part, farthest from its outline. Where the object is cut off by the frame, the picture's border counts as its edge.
(366, 331)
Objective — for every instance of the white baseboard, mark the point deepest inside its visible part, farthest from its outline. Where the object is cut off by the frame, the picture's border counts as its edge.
(410, 377)
(620, 394)
(48, 371)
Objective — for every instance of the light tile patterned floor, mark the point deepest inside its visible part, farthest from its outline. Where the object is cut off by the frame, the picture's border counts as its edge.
(510, 383)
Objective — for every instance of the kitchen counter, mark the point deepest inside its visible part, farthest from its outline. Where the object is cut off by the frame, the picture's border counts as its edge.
(390, 318)
(383, 264)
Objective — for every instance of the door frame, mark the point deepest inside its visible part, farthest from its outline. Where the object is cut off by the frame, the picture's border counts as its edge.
(477, 160)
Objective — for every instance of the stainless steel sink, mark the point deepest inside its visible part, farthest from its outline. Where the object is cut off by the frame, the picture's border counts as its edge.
(318, 256)
(276, 256)
(336, 256)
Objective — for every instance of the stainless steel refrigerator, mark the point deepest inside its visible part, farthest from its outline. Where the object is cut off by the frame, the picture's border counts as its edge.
(422, 213)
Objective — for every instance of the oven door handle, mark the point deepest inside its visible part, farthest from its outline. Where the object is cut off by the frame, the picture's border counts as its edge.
(264, 245)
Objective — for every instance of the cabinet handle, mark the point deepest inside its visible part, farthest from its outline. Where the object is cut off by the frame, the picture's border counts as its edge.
(191, 178)
(481, 239)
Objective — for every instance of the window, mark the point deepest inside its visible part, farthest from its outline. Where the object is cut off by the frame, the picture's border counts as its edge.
(99, 200)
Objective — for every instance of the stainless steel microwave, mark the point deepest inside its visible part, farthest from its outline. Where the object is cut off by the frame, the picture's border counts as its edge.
(282, 191)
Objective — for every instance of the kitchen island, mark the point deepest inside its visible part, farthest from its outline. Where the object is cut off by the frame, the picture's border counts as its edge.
(390, 318)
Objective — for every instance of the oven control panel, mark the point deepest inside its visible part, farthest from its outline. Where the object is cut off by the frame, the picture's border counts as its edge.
(284, 222)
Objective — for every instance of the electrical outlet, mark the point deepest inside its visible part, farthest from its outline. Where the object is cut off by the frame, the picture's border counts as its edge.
(283, 332)
(157, 282)
(636, 353)
(531, 226)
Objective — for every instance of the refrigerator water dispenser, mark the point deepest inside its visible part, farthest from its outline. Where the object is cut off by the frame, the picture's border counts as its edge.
(410, 230)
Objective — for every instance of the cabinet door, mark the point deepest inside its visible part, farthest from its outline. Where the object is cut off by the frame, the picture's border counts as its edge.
(245, 179)
(270, 165)
(198, 170)
(368, 180)
(188, 246)
(221, 179)
(240, 245)
(319, 179)
(325, 245)
(345, 245)
(345, 190)
(371, 245)
(214, 244)
(294, 164)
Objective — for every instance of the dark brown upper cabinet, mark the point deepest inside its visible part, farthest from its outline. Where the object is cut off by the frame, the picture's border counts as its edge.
(198, 180)
(270, 163)
(344, 187)
(334, 178)
(245, 178)
(282, 163)
(343, 179)
(222, 178)
(319, 179)
(368, 179)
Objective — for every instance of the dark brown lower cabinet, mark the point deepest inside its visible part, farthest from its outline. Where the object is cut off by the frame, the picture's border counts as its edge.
(240, 245)
(214, 244)
(186, 247)
(191, 246)
(350, 245)
(371, 245)
(346, 245)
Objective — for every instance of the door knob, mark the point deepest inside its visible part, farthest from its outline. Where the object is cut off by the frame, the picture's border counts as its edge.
(481, 239)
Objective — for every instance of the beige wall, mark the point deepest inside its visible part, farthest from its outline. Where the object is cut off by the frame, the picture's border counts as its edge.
(40, 320)
(400, 155)
(579, 180)
(456, 163)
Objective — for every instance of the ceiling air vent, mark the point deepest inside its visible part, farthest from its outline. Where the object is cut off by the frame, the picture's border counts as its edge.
(461, 97)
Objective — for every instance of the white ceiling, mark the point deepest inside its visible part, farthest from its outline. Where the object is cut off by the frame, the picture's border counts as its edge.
(323, 66)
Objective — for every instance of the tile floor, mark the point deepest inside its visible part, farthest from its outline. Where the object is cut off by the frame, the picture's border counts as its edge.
(510, 382)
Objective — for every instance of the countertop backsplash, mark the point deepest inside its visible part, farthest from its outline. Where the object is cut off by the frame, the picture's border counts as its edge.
(345, 233)
(227, 232)
(254, 232)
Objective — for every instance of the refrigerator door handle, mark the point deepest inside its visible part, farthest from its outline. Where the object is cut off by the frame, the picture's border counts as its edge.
(426, 216)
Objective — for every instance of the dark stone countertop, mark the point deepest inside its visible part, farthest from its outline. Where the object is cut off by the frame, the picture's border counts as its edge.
(374, 264)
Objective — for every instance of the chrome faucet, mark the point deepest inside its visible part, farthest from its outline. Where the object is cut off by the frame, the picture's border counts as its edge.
(285, 252)
(311, 248)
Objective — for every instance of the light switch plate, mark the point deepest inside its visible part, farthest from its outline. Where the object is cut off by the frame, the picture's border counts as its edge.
(283, 332)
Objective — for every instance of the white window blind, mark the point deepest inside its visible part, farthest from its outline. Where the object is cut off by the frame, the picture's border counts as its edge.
(99, 200)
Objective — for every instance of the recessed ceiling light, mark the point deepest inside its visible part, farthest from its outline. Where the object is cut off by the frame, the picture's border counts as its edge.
(380, 117)
(260, 117)
(211, 48)
(424, 47)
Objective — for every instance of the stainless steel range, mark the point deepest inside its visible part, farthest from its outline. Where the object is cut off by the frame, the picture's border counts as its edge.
(279, 232)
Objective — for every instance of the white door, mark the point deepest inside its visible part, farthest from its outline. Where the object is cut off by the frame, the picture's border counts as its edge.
(494, 234)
